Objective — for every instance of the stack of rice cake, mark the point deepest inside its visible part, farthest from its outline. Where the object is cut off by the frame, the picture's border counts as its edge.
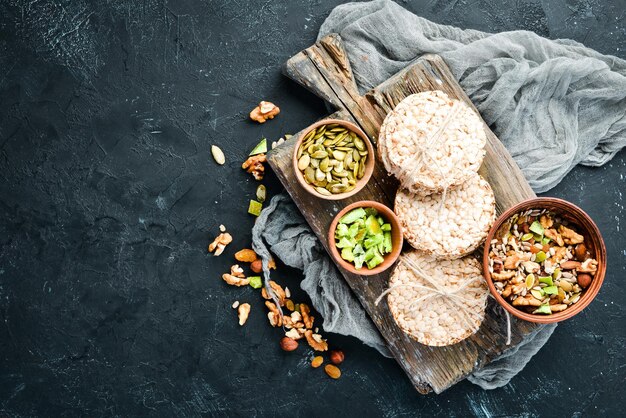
(434, 145)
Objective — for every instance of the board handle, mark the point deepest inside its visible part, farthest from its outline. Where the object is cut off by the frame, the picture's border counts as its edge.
(325, 70)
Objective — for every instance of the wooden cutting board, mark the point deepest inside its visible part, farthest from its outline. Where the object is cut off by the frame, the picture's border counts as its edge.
(325, 70)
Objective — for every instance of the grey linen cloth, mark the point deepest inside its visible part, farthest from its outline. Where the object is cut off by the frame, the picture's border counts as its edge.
(553, 103)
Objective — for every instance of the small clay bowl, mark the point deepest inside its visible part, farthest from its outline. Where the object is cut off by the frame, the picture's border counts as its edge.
(396, 238)
(369, 164)
(584, 226)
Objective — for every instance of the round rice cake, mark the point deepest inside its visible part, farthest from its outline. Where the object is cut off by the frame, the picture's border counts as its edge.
(431, 141)
(450, 231)
(430, 317)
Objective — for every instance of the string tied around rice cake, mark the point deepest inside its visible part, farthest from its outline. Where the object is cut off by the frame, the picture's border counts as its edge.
(406, 178)
(435, 289)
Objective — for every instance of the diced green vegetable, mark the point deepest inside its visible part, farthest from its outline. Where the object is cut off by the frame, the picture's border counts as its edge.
(346, 254)
(372, 225)
(345, 243)
(256, 282)
(371, 211)
(373, 241)
(547, 280)
(536, 228)
(260, 148)
(540, 257)
(387, 244)
(363, 237)
(341, 231)
(255, 208)
(550, 290)
(545, 240)
(538, 237)
(358, 261)
(376, 260)
(352, 216)
(543, 309)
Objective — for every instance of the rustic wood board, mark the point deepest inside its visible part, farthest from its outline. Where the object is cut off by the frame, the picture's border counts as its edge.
(325, 69)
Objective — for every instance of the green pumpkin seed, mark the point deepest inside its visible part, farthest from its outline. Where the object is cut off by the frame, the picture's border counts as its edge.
(356, 156)
(358, 143)
(309, 174)
(319, 154)
(339, 155)
(319, 175)
(348, 160)
(337, 130)
(339, 174)
(304, 162)
(309, 135)
(339, 188)
(329, 176)
(315, 163)
(325, 165)
(323, 191)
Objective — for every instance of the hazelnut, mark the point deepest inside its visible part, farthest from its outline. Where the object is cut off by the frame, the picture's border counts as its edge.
(336, 356)
(288, 344)
(257, 266)
(584, 280)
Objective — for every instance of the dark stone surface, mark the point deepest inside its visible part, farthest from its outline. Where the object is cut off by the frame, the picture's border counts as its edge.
(109, 302)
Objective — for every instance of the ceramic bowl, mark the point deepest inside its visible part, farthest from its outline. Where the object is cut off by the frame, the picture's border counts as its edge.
(396, 238)
(584, 226)
(369, 164)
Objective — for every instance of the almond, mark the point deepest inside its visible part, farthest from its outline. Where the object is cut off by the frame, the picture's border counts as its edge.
(570, 265)
(332, 371)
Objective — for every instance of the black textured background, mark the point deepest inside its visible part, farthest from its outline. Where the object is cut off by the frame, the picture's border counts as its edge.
(109, 302)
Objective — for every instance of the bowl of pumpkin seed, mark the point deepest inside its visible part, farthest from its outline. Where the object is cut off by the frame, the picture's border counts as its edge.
(333, 159)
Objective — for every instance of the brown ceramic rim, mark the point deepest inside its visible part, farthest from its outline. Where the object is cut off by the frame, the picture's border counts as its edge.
(396, 238)
(369, 165)
(592, 236)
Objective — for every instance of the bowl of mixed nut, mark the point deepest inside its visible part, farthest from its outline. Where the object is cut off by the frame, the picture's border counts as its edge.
(544, 260)
(365, 238)
(333, 159)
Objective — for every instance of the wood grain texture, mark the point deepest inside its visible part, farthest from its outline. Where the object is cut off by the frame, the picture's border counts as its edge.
(325, 70)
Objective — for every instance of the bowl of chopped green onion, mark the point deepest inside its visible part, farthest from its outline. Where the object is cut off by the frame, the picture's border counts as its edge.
(365, 238)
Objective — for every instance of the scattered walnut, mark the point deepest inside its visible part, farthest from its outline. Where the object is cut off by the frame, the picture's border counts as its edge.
(254, 165)
(278, 291)
(306, 315)
(559, 254)
(508, 290)
(528, 300)
(243, 311)
(511, 262)
(220, 242)
(588, 266)
(555, 236)
(570, 236)
(546, 221)
(264, 111)
(501, 277)
(294, 334)
(236, 271)
(274, 315)
(315, 341)
(235, 281)
(531, 266)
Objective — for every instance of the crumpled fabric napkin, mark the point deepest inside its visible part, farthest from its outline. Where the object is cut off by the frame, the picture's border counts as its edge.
(554, 104)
